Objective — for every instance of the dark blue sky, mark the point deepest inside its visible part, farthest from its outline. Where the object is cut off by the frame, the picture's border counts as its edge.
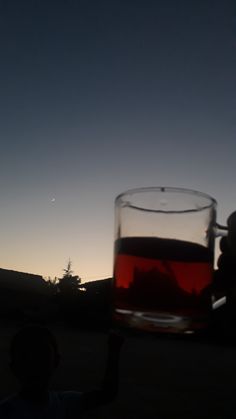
(101, 96)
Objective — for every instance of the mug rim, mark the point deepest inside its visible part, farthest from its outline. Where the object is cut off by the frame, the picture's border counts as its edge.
(119, 200)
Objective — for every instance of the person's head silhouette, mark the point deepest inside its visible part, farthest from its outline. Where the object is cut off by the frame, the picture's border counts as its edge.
(34, 357)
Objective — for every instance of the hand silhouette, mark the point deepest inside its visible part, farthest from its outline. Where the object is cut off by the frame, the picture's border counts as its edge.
(225, 282)
(225, 276)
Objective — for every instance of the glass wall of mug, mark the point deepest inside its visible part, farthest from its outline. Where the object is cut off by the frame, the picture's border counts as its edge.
(163, 259)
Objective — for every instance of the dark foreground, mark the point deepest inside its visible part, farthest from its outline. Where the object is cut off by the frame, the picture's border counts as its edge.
(159, 378)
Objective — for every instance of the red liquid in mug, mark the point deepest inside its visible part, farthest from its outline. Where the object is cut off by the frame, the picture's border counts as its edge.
(162, 277)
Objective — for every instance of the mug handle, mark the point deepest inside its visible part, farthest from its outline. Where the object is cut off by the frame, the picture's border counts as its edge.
(220, 230)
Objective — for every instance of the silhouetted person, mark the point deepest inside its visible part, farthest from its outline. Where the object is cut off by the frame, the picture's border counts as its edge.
(34, 358)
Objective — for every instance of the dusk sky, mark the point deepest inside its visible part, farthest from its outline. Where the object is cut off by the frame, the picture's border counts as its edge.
(100, 96)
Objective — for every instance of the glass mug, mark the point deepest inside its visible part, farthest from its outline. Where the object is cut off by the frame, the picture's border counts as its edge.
(163, 259)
